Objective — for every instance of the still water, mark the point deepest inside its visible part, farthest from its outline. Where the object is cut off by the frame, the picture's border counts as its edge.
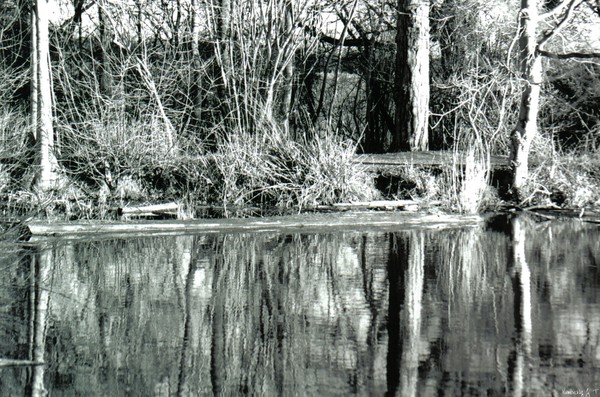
(511, 308)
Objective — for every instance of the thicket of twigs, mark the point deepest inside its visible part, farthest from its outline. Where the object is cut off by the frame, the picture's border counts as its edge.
(248, 110)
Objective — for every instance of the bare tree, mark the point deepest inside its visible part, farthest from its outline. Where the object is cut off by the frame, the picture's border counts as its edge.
(532, 44)
(530, 67)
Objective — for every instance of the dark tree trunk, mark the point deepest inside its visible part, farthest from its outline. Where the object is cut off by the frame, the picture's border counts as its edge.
(412, 76)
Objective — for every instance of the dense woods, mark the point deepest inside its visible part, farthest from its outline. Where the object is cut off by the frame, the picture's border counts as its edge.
(265, 103)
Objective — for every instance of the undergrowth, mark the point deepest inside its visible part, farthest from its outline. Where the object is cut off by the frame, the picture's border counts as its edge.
(124, 161)
(462, 187)
(118, 161)
(567, 180)
(272, 170)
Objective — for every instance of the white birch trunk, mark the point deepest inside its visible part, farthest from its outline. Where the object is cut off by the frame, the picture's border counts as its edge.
(44, 129)
(530, 64)
(34, 77)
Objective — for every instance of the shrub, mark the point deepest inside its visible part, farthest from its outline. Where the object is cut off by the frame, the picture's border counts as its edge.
(471, 188)
(272, 170)
(127, 160)
(566, 179)
(461, 186)
(15, 155)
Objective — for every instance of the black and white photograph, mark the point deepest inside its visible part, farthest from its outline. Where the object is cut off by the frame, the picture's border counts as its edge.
(396, 198)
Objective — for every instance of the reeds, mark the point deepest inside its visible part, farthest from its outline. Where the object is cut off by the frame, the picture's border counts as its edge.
(269, 169)
(461, 186)
(470, 186)
(14, 150)
(254, 163)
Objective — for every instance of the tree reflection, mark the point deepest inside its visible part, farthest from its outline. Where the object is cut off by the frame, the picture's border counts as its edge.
(453, 312)
(41, 265)
(405, 269)
(519, 362)
(186, 363)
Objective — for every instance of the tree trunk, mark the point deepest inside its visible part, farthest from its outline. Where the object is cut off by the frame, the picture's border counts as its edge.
(43, 99)
(223, 64)
(287, 85)
(106, 81)
(376, 129)
(34, 76)
(138, 21)
(412, 76)
(223, 48)
(197, 64)
(530, 65)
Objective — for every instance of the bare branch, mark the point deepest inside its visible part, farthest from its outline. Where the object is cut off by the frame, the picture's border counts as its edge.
(594, 6)
(556, 11)
(79, 11)
(569, 55)
(566, 17)
(360, 42)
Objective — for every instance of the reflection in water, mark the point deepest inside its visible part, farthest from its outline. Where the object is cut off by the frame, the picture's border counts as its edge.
(521, 280)
(409, 313)
(42, 264)
(405, 269)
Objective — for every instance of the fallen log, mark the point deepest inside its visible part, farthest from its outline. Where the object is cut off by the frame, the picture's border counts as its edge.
(149, 211)
(402, 205)
(400, 160)
(356, 220)
(406, 205)
(591, 215)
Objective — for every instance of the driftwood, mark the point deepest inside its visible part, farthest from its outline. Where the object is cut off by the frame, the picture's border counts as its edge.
(405, 205)
(150, 211)
(553, 212)
(387, 161)
(351, 220)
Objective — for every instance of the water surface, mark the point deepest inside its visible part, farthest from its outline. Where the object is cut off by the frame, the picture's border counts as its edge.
(512, 308)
